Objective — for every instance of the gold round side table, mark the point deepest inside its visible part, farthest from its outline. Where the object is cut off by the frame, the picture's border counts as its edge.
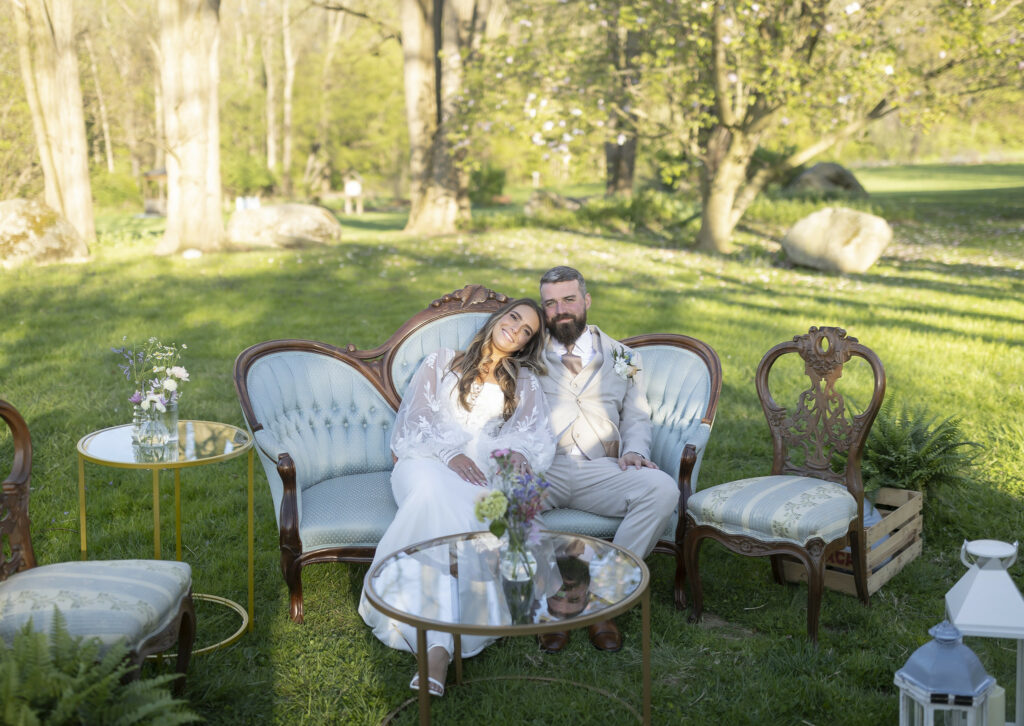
(199, 443)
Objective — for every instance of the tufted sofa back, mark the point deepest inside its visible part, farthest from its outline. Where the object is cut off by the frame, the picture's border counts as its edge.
(452, 331)
(324, 412)
(679, 390)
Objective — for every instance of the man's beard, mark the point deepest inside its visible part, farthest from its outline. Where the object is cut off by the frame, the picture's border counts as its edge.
(567, 329)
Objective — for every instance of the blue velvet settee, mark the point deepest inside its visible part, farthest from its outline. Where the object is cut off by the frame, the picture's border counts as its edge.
(321, 417)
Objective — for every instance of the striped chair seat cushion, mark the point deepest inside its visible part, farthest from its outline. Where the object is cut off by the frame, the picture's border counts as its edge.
(776, 508)
(112, 599)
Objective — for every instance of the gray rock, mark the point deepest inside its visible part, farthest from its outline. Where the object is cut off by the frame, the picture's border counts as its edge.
(837, 240)
(31, 231)
(827, 178)
(542, 201)
(283, 225)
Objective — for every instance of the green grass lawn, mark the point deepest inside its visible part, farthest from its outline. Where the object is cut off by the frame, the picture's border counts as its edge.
(942, 308)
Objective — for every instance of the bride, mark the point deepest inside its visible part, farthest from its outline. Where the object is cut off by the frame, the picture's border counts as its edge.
(458, 408)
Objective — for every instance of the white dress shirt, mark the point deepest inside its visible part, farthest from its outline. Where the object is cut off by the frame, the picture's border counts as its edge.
(583, 347)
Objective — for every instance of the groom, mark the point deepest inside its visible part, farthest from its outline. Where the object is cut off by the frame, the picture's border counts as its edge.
(602, 425)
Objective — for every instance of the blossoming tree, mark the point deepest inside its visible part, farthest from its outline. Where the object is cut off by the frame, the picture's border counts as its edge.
(740, 91)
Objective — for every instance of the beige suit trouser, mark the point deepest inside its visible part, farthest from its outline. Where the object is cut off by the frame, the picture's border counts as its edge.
(644, 498)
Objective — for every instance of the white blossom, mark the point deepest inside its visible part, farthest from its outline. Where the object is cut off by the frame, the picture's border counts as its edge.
(852, 8)
(889, 70)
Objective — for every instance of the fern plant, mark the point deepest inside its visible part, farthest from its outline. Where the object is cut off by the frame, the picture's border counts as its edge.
(57, 679)
(912, 449)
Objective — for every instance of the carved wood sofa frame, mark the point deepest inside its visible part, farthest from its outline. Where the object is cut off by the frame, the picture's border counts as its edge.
(687, 375)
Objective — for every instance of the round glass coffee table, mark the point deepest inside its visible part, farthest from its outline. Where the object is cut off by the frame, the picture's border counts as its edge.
(199, 443)
(454, 584)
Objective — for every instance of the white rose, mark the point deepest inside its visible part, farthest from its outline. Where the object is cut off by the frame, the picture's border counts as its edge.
(179, 373)
(170, 385)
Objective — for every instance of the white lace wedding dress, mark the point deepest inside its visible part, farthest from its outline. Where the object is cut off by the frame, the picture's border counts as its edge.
(431, 428)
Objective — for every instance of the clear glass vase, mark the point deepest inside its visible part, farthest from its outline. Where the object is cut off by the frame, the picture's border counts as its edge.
(153, 428)
(169, 419)
(517, 566)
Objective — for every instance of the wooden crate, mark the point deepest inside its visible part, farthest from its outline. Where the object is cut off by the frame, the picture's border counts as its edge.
(902, 522)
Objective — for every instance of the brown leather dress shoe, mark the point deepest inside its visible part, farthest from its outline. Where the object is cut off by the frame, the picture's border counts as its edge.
(553, 642)
(606, 636)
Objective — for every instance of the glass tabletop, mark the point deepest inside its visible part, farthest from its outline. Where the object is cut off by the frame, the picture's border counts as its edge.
(199, 442)
(458, 584)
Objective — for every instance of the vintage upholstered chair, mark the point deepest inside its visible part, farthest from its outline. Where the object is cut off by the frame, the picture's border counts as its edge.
(321, 417)
(146, 602)
(812, 502)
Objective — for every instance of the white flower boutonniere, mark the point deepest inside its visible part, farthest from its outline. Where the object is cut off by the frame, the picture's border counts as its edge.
(623, 362)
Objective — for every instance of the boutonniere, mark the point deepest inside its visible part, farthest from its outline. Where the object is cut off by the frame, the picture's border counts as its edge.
(623, 362)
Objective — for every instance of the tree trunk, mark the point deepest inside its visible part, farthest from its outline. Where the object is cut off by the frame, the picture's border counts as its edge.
(189, 74)
(433, 202)
(438, 180)
(723, 175)
(290, 61)
(620, 150)
(104, 120)
(620, 163)
(270, 74)
(49, 66)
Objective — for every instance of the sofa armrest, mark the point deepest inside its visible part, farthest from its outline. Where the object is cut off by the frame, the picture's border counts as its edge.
(289, 512)
(669, 445)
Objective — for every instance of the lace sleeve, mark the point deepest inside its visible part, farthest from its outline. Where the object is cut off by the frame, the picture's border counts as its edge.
(424, 427)
(528, 430)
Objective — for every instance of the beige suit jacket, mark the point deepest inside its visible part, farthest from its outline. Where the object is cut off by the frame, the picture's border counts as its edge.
(598, 410)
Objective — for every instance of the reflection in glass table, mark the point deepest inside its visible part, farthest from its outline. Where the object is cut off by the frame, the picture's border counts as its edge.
(199, 443)
(453, 584)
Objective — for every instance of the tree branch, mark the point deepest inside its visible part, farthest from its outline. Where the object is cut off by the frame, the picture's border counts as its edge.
(388, 30)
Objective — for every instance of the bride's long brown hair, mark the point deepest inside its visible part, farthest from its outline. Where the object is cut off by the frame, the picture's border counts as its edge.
(470, 363)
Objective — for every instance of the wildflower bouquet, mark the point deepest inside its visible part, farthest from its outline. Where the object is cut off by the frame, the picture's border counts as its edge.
(153, 373)
(512, 508)
(514, 503)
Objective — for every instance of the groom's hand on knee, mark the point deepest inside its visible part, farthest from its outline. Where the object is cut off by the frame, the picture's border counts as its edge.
(633, 460)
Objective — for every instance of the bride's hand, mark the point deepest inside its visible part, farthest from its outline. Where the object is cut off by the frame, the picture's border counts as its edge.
(465, 468)
(519, 463)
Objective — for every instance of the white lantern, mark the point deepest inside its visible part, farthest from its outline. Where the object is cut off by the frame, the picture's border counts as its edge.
(943, 682)
(986, 603)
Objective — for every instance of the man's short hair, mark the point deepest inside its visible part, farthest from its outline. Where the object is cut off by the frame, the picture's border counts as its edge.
(563, 273)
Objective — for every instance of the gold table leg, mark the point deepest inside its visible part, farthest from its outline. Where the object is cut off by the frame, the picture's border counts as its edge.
(252, 558)
(156, 513)
(645, 647)
(421, 658)
(81, 502)
(177, 514)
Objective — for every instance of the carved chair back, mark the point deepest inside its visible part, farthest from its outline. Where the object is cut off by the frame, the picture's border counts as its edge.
(15, 540)
(819, 435)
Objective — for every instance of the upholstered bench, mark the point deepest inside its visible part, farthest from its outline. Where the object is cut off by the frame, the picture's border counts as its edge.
(321, 417)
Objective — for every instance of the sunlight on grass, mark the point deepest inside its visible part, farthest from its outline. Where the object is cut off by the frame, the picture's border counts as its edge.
(942, 308)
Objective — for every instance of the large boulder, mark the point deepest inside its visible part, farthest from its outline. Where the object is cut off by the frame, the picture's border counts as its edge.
(30, 231)
(283, 225)
(543, 202)
(837, 240)
(827, 179)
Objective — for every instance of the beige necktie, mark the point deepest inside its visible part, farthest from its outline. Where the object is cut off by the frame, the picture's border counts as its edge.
(573, 363)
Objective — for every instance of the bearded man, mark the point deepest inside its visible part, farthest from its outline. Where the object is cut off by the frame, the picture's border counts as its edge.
(602, 423)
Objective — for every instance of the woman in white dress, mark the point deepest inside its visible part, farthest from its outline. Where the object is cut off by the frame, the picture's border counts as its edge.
(458, 408)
